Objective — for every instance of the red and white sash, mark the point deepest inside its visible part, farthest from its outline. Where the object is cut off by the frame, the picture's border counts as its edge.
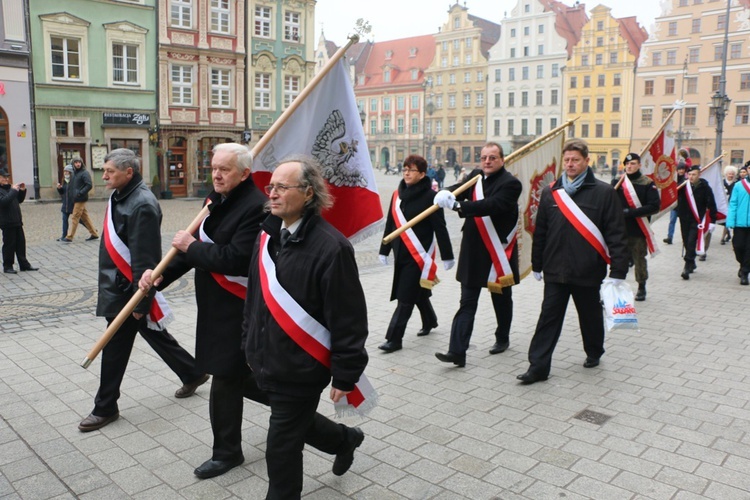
(501, 274)
(745, 184)
(581, 223)
(700, 244)
(634, 202)
(307, 332)
(425, 259)
(236, 285)
(159, 314)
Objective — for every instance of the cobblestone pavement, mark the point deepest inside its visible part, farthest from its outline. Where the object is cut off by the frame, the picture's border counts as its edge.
(665, 416)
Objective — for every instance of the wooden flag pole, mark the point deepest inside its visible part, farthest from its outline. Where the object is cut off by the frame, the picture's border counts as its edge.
(650, 143)
(157, 272)
(515, 155)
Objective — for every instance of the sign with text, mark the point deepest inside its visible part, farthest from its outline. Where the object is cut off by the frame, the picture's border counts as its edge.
(126, 119)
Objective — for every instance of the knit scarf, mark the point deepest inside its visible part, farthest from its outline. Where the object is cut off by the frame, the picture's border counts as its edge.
(572, 187)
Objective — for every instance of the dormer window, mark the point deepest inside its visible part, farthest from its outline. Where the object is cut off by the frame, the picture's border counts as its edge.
(388, 54)
(413, 52)
(456, 22)
(414, 74)
(387, 76)
(361, 79)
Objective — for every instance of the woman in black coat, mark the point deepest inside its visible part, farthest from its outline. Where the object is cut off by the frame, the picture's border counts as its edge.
(411, 286)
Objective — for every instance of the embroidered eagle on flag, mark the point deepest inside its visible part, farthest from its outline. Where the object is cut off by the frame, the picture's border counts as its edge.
(334, 152)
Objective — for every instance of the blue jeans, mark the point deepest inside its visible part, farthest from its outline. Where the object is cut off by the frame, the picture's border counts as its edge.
(672, 222)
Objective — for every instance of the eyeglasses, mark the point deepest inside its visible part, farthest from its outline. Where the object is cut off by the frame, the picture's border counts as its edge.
(280, 188)
(410, 170)
(491, 158)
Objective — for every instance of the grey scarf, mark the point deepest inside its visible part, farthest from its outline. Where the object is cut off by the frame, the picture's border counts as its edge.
(572, 187)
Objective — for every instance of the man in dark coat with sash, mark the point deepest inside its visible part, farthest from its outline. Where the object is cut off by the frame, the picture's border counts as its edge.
(696, 208)
(580, 230)
(220, 254)
(489, 253)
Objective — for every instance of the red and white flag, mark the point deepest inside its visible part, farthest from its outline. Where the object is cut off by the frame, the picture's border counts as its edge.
(327, 126)
(659, 164)
(713, 176)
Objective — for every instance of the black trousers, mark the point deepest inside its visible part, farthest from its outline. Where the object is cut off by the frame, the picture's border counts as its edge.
(14, 245)
(116, 355)
(463, 321)
(741, 246)
(549, 326)
(293, 423)
(401, 315)
(689, 232)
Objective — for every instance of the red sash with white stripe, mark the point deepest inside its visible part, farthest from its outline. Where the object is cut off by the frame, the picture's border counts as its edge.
(581, 223)
(634, 202)
(307, 332)
(159, 314)
(236, 285)
(746, 185)
(501, 274)
(425, 259)
(700, 244)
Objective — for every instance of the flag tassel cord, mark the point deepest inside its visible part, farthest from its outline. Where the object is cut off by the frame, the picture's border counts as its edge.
(514, 156)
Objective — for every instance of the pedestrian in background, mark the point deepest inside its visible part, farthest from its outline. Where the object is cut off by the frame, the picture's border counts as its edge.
(78, 192)
(730, 178)
(11, 224)
(414, 252)
(67, 205)
(739, 220)
(681, 177)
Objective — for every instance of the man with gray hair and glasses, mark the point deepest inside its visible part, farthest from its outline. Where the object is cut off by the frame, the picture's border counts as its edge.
(131, 244)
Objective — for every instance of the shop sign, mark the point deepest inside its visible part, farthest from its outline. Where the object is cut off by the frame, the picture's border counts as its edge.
(127, 119)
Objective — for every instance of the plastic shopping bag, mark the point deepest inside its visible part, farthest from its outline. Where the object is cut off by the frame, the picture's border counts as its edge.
(619, 311)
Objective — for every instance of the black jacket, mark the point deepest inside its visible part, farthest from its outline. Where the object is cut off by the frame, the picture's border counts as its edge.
(233, 226)
(136, 217)
(648, 195)
(80, 185)
(500, 203)
(406, 273)
(10, 206)
(562, 253)
(67, 204)
(704, 199)
(318, 269)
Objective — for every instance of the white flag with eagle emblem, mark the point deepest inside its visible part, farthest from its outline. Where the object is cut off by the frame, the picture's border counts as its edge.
(327, 126)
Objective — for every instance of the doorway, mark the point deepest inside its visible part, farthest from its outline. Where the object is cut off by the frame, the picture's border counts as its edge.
(65, 155)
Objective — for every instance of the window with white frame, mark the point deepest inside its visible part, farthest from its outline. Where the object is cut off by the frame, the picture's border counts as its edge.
(480, 99)
(125, 64)
(181, 13)
(400, 103)
(467, 99)
(66, 58)
(691, 84)
(744, 81)
(415, 125)
(292, 26)
(220, 89)
(540, 71)
(451, 127)
(438, 127)
(467, 126)
(743, 115)
(511, 126)
(262, 88)
(291, 89)
(182, 84)
(451, 101)
(690, 117)
(480, 125)
(400, 125)
(553, 97)
(480, 76)
(467, 77)
(386, 103)
(555, 70)
(263, 22)
(220, 16)
(415, 102)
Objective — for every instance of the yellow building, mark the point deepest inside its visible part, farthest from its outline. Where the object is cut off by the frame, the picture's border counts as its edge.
(599, 84)
(456, 89)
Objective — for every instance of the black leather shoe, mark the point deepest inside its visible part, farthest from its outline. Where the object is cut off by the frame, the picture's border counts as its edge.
(744, 281)
(499, 347)
(692, 267)
(188, 390)
(10, 270)
(641, 293)
(449, 357)
(213, 468)
(344, 460)
(668, 241)
(390, 346)
(686, 273)
(426, 331)
(591, 362)
(30, 268)
(702, 258)
(530, 377)
(92, 238)
(92, 422)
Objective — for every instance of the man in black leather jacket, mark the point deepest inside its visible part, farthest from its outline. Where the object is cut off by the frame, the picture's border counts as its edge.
(131, 232)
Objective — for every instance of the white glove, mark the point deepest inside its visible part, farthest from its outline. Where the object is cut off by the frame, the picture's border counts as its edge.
(383, 259)
(448, 264)
(537, 276)
(711, 228)
(444, 199)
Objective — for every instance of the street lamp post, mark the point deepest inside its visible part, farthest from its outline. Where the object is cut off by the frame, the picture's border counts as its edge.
(720, 101)
(428, 108)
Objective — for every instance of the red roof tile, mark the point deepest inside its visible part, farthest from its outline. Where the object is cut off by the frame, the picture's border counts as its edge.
(569, 21)
(634, 33)
(404, 54)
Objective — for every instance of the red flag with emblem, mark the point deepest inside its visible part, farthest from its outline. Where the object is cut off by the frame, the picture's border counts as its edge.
(659, 164)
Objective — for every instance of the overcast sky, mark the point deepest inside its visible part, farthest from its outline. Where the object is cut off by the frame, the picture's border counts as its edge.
(392, 19)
